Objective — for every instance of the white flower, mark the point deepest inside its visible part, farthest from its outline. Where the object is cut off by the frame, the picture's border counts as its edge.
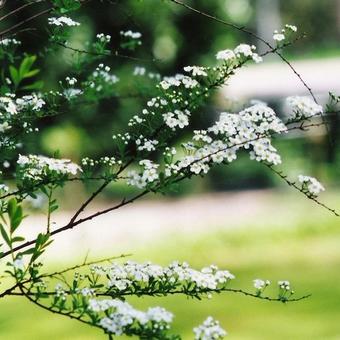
(4, 127)
(291, 27)
(72, 93)
(244, 49)
(36, 167)
(303, 107)
(225, 55)
(130, 34)
(8, 41)
(121, 315)
(104, 38)
(4, 188)
(19, 264)
(261, 284)
(209, 330)
(311, 185)
(284, 285)
(279, 37)
(196, 71)
(62, 21)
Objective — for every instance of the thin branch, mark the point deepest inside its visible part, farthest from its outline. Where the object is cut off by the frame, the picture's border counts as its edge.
(19, 9)
(110, 54)
(23, 22)
(295, 186)
(250, 33)
(84, 264)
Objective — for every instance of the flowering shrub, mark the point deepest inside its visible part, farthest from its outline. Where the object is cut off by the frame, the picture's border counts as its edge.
(145, 157)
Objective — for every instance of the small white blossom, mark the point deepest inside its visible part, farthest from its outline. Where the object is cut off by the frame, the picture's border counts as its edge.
(311, 185)
(196, 71)
(279, 37)
(261, 284)
(209, 330)
(303, 107)
(62, 21)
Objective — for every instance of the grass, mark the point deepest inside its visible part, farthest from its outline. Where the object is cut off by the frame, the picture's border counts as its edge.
(306, 252)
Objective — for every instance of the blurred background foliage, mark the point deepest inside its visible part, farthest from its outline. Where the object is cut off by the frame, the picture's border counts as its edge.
(172, 38)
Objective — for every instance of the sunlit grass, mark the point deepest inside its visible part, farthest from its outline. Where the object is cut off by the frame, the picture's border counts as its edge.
(306, 254)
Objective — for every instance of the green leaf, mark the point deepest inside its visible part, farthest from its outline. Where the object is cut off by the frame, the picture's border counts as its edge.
(12, 207)
(18, 239)
(4, 235)
(26, 65)
(38, 85)
(14, 75)
(31, 73)
(15, 214)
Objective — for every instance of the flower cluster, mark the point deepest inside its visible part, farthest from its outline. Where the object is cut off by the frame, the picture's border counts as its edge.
(284, 285)
(147, 177)
(110, 161)
(177, 81)
(35, 168)
(148, 276)
(62, 21)
(310, 185)
(284, 33)
(122, 318)
(241, 53)
(130, 34)
(17, 114)
(250, 129)
(303, 107)
(146, 144)
(209, 330)
(196, 71)
(103, 38)
(101, 79)
(260, 284)
(9, 41)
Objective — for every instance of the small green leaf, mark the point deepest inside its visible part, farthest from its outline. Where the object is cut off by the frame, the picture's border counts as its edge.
(26, 65)
(38, 85)
(4, 235)
(31, 73)
(14, 75)
(18, 239)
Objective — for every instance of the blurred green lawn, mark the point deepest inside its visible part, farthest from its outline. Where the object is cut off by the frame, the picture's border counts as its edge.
(307, 253)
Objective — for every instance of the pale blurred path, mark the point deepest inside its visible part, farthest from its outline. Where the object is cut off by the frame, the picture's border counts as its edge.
(142, 223)
(276, 79)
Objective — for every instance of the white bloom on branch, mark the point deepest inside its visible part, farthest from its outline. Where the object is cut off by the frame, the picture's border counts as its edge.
(241, 51)
(37, 167)
(133, 275)
(225, 55)
(4, 127)
(291, 27)
(19, 264)
(311, 185)
(196, 71)
(303, 107)
(72, 93)
(278, 36)
(8, 104)
(103, 38)
(62, 21)
(4, 188)
(9, 41)
(121, 315)
(130, 34)
(210, 329)
(30, 101)
(284, 285)
(261, 284)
